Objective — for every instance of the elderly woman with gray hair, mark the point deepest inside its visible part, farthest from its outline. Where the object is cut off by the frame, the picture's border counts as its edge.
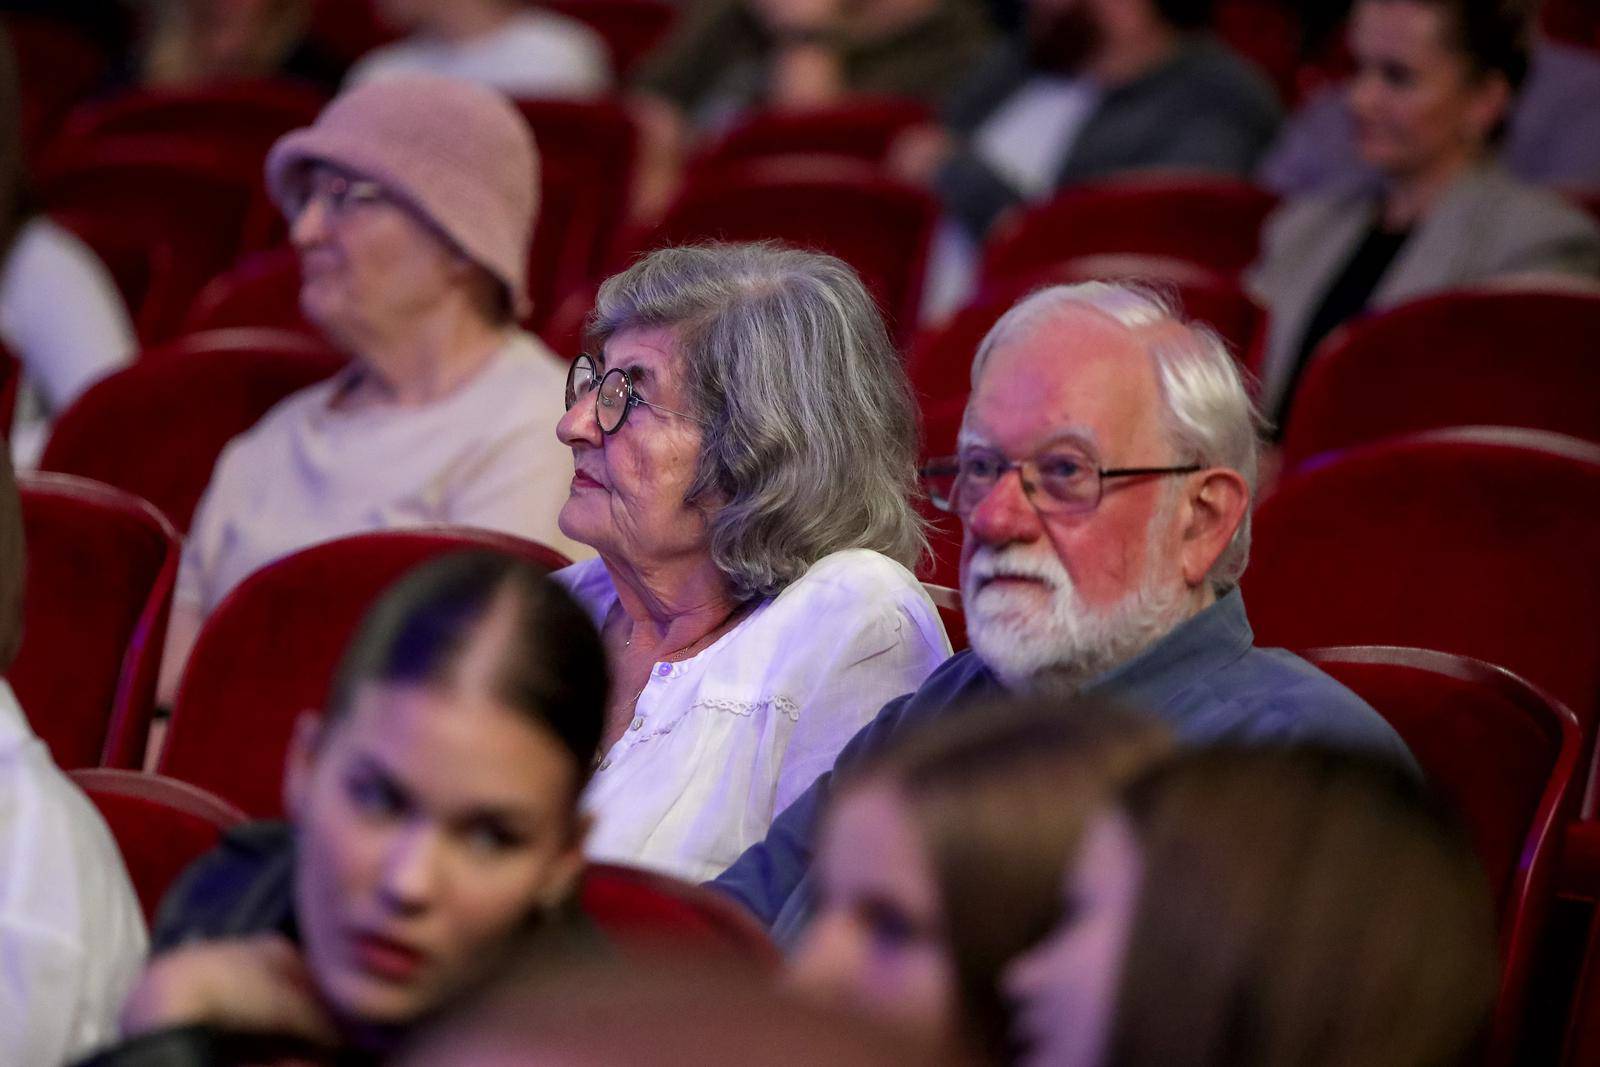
(744, 444)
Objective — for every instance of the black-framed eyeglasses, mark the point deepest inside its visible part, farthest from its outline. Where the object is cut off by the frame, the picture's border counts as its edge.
(613, 398)
(1062, 481)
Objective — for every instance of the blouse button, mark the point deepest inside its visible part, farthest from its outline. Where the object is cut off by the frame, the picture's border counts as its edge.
(636, 724)
(664, 669)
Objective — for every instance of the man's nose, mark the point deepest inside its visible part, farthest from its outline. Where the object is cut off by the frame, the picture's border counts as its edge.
(1005, 515)
(310, 223)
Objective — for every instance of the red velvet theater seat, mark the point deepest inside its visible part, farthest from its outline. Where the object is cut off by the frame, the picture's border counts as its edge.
(645, 911)
(269, 650)
(631, 29)
(1507, 758)
(161, 825)
(1480, 541)
(1206, 219)
(156, 428)
(861, 128)
(101, 564)
(1485, 358)
(261, 290)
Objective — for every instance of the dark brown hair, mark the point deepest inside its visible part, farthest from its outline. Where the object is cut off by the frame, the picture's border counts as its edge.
(553, 670)
(1304, 907)
(1000, 796)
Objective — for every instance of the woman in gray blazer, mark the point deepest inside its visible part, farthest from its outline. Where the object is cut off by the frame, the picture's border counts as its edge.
(1433, 84)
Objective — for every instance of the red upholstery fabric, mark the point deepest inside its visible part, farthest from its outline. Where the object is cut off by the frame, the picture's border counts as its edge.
(348, 29)
(261, 290)
(249, 115)
(631, 28)
(1210, 220)
(56, 68)
(862, 128)
(880, 227)
(1478, 541)
(155, 428)
(940, 359)
(101, 564)
(269, 650)
(1506, 757)
(587, 152)
(644, 910)
(161, 825)
(1458, 359)
(1580, 876)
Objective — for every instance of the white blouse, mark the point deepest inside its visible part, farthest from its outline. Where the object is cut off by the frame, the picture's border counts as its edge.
(723, 741)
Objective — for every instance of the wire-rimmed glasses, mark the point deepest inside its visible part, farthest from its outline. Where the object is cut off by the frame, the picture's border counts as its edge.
(1060, 481)
(613, 392)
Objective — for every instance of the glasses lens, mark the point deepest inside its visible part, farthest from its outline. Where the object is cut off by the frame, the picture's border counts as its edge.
(1068, 481)
(580, 379)
(612, 400)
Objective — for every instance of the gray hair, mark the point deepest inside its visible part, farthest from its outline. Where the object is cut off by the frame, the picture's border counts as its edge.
(811, 435)
(1208, 414)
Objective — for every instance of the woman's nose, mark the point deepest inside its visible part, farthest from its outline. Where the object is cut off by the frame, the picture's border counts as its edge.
(580, 423)
(411, 870)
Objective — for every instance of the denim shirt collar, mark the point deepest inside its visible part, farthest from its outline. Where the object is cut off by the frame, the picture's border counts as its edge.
(1196, 648)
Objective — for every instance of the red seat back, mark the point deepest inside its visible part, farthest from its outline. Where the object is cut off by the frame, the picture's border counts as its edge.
(1208, 220)
(261, 290)
(155, 428)
(160, 825)
(269, 650)
(862, 128)
(189, 203)
(1483, 542)
(100, 569)
(630, 28)
(643, 910)
(1457, 359)
(56, 68)
(880, 227)
(1506, 758)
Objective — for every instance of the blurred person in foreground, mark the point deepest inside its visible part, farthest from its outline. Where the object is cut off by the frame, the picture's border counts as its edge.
(433, 824)
(942, 861)
(520, 49)
(1432, 90)
(1259, 908)
(655, 1012)
(72, 935)
(743, 446)
(1107, 461)
(411, 203)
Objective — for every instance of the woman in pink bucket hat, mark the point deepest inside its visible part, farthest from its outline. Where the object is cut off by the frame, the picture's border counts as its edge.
(411, 202)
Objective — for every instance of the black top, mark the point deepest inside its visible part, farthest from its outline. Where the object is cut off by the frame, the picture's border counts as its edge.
(1345, 299)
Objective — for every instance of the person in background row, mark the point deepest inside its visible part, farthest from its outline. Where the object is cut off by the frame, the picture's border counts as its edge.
(1107, 459)
(1253, 908)
(942, 861)
(1094, 88)
(1433, 86)
(434, 825)
(744, 443)
(730, 56)
(72, 936)
(61, 315)
(517, 48)
(192, 43)
(411, 202)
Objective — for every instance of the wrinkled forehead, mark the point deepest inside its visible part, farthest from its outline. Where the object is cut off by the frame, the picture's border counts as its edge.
(1075, 372)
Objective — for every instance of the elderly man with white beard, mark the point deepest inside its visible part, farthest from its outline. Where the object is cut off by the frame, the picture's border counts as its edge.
(1106, 463)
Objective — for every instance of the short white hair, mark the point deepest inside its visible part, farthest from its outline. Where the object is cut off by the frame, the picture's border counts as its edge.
(1208, 414)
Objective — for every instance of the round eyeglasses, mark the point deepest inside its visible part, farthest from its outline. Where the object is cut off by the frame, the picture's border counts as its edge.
(342, 193)
(613, 398)
(1058, 482)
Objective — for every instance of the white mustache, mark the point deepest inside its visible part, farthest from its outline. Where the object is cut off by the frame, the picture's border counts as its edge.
(1015, 562)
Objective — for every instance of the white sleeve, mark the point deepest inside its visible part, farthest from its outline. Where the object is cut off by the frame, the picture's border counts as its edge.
(877, 655)
(61, 314)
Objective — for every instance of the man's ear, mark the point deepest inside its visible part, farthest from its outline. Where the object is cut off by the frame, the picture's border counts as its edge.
(303, 745)
(1213, 509)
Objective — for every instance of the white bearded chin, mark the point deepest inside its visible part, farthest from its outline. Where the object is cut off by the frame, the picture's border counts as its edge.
(1060, 649)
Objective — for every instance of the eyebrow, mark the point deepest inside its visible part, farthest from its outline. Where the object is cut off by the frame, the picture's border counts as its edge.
(524, 820)
(1082, 436)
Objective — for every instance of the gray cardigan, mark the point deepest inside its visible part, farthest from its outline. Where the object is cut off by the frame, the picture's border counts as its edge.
(1487, 226)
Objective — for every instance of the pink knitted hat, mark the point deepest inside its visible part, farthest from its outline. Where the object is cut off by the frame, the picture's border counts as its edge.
(458, 154)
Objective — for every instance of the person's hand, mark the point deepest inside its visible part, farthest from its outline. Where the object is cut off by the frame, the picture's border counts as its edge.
(918, 153)
(251, 985)
(798, 16)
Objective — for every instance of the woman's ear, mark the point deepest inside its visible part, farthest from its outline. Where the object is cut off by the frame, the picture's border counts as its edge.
(566, 869)
(1491, 103)
(303, 747)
